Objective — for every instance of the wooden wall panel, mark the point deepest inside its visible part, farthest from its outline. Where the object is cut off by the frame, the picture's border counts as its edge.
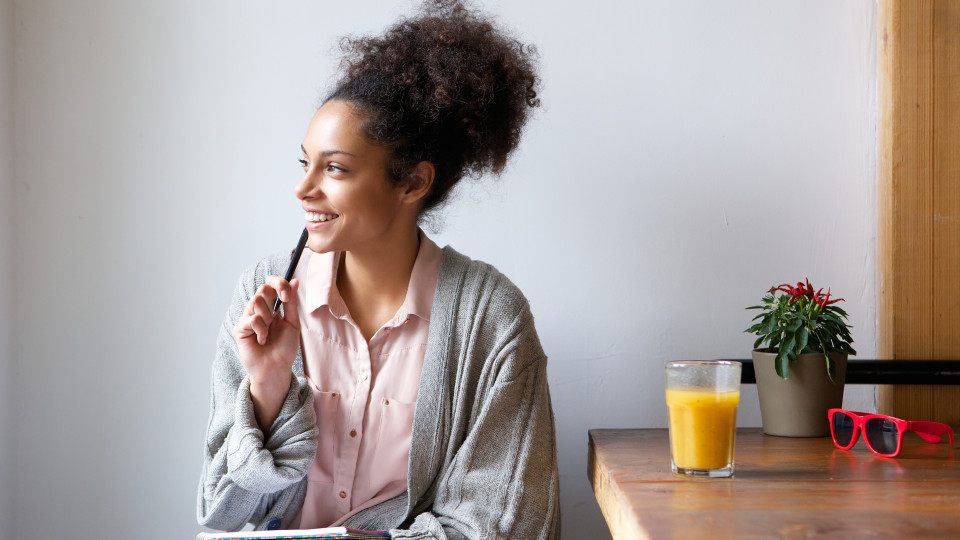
(918, 162)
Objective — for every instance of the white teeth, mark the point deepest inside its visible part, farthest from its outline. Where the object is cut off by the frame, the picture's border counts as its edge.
(315, 217)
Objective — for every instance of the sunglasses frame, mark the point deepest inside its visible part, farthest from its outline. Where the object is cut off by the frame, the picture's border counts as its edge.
(932, 432)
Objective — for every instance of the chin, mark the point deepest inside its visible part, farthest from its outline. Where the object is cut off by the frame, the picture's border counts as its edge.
(318, 246)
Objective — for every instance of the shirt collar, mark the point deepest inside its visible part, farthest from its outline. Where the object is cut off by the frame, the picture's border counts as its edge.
(423, 280)
(320, 283)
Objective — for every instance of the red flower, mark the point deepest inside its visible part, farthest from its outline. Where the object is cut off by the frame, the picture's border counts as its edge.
(796, 292)
(824, 301)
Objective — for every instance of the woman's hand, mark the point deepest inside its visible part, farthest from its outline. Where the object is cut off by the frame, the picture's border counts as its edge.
(268, 344)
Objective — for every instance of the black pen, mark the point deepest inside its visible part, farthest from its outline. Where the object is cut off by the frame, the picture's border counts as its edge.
(294, 259)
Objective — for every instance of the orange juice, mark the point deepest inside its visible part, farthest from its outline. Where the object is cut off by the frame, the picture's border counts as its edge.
(702, 427)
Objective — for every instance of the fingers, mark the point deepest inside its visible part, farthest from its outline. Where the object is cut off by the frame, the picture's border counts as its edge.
(243, 328)
(259, 314)
(287, 292)
(279, 286)
(291, 308)
(261, 307)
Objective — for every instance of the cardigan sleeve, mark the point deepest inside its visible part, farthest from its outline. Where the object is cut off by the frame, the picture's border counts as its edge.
(502, 482)
(250, 476)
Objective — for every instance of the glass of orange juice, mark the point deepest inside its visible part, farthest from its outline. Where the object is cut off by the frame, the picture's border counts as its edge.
(702, 399)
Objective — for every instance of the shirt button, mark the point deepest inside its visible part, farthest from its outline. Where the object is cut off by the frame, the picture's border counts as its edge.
(363, 376)
(273, 524)
(353, 433)
(343, 494)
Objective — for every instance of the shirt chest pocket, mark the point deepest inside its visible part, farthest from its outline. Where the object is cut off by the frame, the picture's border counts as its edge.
(327, 407)
(393, 438)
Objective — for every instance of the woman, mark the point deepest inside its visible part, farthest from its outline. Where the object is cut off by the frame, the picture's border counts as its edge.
(402, 386)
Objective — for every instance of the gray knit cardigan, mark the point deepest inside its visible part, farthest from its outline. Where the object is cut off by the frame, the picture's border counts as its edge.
(483, 458)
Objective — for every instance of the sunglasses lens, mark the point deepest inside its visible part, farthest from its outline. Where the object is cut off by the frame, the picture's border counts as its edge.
(842, 428)
(881, 434)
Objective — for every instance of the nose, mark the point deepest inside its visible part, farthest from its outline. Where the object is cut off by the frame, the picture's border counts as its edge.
(307, 187)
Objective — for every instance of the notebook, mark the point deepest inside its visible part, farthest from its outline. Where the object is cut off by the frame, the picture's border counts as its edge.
(342, 533)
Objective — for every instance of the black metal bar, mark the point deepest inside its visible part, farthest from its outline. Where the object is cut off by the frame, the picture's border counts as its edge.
(886, 372)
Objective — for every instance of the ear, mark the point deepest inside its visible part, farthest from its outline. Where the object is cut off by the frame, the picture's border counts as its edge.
(419, 182)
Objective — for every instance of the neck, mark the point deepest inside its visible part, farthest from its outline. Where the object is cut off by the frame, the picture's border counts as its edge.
(373, 280)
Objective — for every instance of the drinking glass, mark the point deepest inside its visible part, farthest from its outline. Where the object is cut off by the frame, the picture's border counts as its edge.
(702, 399)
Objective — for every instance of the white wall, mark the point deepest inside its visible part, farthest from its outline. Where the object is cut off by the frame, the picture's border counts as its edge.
(7, 332)
(689, 155)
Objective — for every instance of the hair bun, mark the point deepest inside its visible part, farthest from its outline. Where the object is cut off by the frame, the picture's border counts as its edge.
(448, 86)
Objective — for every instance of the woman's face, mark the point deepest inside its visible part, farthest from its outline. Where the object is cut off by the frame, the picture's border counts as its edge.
(348, 198)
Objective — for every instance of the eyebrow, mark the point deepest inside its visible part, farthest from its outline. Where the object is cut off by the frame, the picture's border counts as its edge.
(327, 153)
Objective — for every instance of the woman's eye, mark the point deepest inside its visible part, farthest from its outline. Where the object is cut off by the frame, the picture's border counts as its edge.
(304, 163)
(334, 168)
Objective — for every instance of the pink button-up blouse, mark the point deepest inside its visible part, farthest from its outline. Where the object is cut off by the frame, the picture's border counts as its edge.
(364, 393)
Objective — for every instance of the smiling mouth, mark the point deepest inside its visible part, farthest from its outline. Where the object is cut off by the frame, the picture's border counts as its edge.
(319, 217)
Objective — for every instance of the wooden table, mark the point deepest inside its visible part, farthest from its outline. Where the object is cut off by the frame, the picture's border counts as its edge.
(782, 488)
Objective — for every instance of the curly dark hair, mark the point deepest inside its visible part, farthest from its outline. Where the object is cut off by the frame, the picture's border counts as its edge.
(447, 86)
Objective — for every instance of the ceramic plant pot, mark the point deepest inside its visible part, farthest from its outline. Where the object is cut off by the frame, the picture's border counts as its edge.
(797, 406)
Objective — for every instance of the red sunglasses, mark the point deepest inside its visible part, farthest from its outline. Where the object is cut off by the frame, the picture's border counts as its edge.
(884, 434)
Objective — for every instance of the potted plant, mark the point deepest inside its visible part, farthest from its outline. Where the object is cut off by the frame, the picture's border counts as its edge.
(800, 359)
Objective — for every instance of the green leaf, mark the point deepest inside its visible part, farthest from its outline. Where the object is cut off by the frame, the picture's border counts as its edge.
(830, 317)
(831, 368)
(785, 355)
(802, 336)
(823, 347)
(787, 347)
(769, 324)
(782, 365)
(839, 311)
